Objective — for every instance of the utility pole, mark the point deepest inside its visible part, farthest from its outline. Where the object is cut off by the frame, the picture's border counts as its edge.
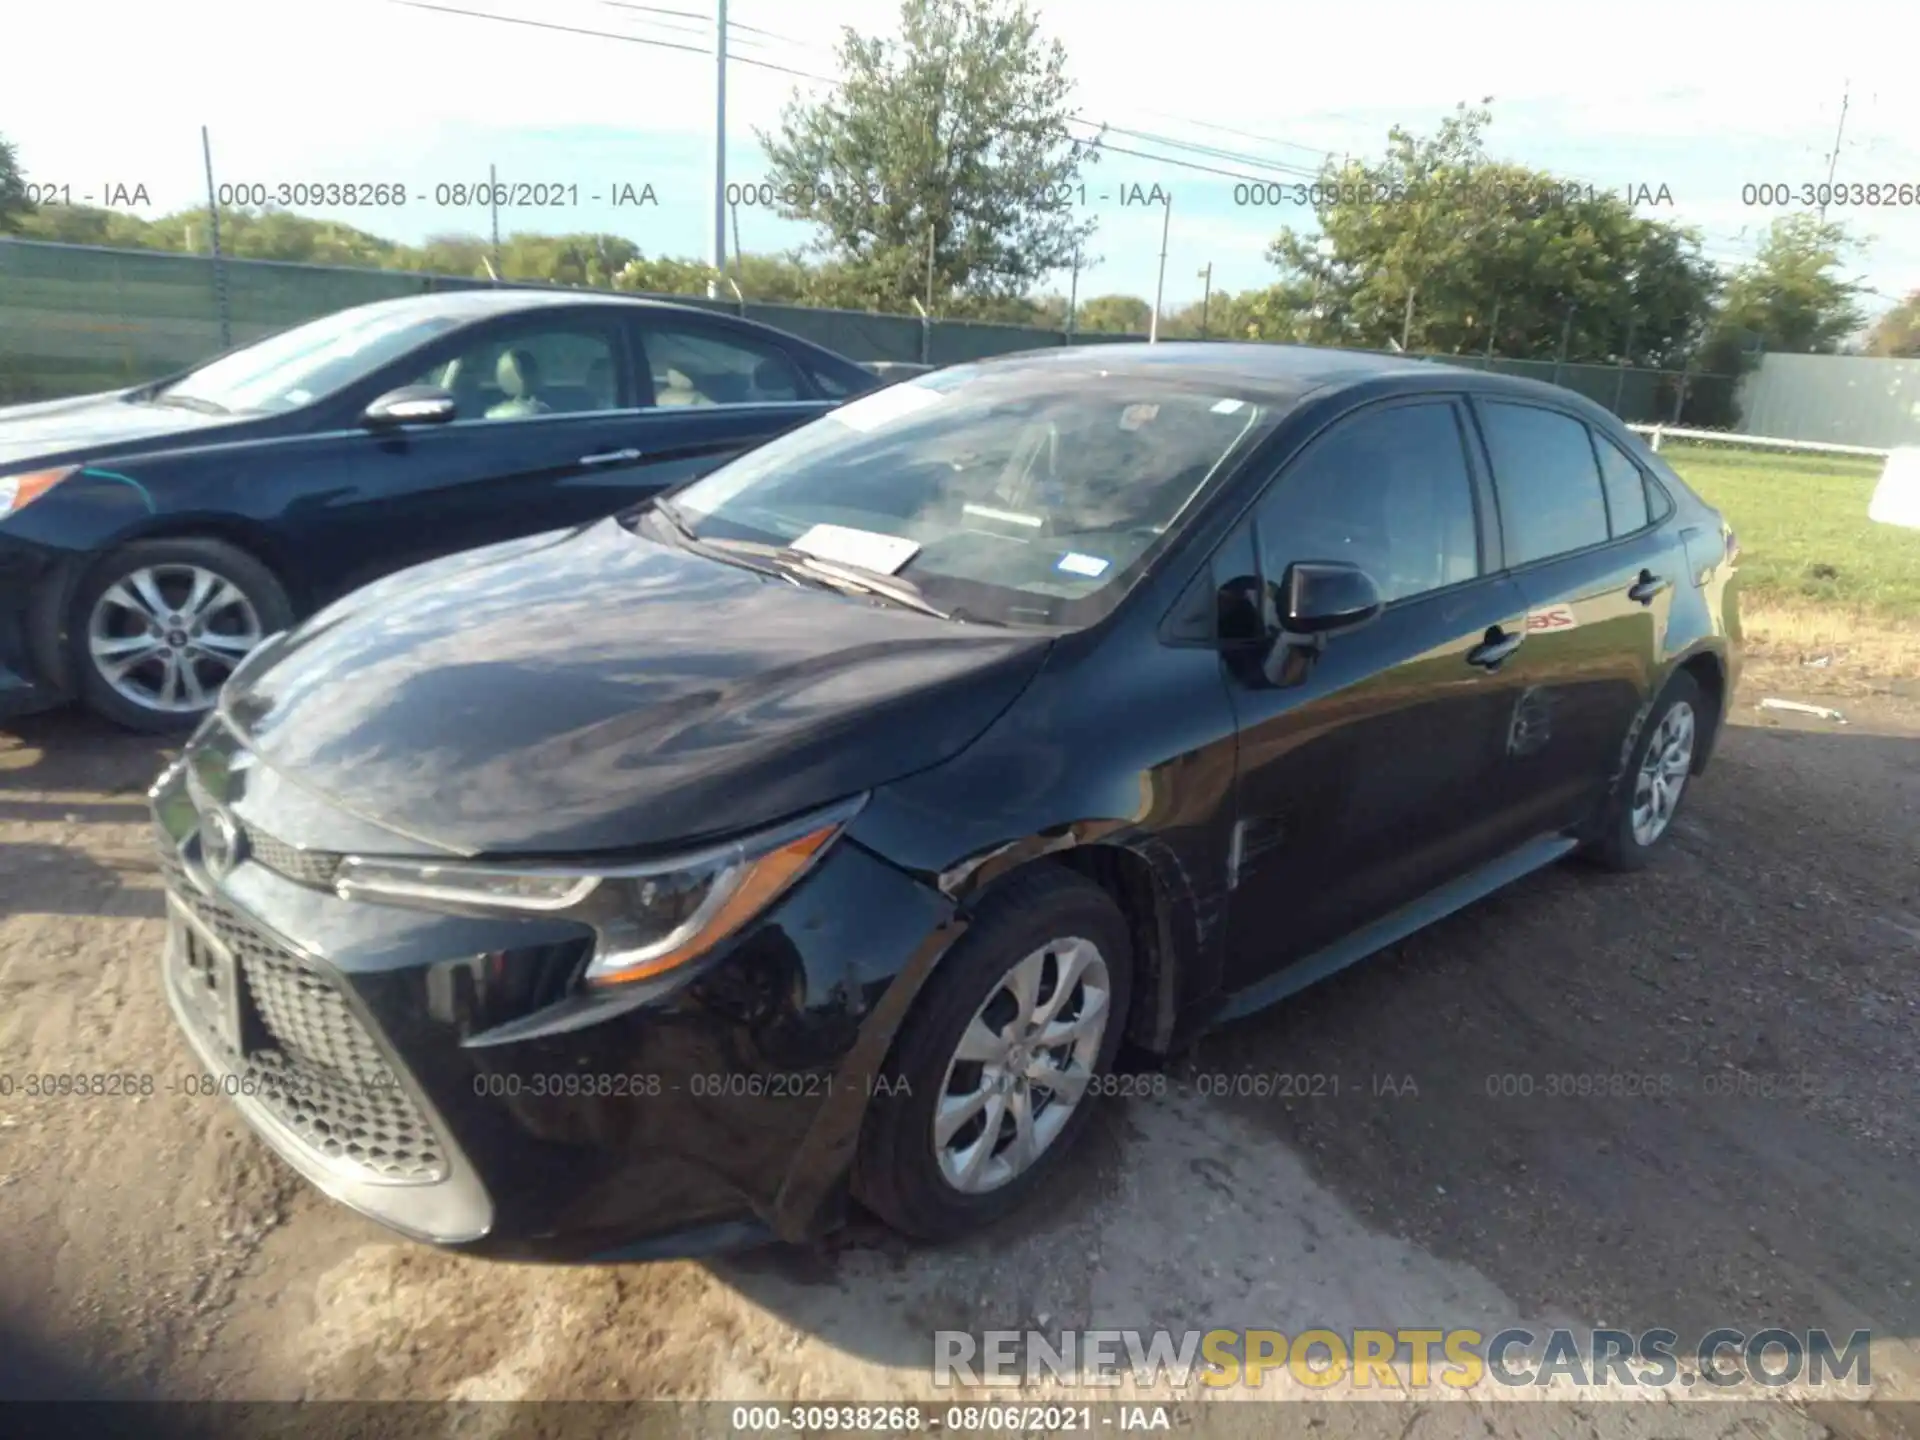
(1833, 160)
(930, 230)
(735, 208)
(1493, 327)
(1626, 359)
(219, 260)
(1160, 285)
(1073, 295)
(719, 146)
(1206, 297)
(1566, 338)
(1406, 325)
(493, 199)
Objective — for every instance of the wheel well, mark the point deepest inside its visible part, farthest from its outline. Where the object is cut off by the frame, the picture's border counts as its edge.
(230, 531)
(1706, 672)
(1129, 881)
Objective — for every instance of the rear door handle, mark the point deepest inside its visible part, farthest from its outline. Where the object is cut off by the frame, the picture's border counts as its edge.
(612, 457)
(1498, 647)
(1644, 590)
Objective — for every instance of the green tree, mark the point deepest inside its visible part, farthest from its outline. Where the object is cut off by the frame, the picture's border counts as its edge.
(947, 144)
(1114, 315)
(14, 205)
(1897, 332)
(1791, 296)
(1444, 249)
(664, 276)
(88, 225)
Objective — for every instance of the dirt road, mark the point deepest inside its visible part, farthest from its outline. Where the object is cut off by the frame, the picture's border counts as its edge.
(1762, 983)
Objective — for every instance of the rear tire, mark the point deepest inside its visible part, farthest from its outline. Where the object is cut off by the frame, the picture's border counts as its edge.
(157, 626)
(1640, 810)
(929, 1164)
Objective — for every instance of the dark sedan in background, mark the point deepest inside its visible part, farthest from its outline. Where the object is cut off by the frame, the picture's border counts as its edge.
(149, 538)
(822, 828)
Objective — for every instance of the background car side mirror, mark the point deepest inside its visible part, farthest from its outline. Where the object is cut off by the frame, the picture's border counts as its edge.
(410, 405)
(1319, 597)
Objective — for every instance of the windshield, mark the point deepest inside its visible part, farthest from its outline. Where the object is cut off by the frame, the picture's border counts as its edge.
(1012, 497)
(300, 365)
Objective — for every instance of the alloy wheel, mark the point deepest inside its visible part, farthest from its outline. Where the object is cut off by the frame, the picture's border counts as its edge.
(1022, 1065)
(1663, 774)
(166, 637)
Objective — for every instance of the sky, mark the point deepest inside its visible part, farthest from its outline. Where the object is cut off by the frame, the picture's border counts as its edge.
(1696, 96)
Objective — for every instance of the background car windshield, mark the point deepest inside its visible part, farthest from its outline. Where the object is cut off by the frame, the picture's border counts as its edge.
(1031, 500)
(300, 365)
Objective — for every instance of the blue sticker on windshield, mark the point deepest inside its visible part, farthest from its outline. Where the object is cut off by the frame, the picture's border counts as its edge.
(1074, 563)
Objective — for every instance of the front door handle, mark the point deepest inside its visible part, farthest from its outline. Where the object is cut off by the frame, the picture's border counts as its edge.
(612, 457)
(1646, 588)
(1494, 651)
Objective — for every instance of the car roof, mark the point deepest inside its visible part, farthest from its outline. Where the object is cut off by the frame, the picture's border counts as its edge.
(1282, 375)
(482, 301)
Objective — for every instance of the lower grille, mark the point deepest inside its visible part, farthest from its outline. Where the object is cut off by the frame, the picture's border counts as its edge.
(320, 1072)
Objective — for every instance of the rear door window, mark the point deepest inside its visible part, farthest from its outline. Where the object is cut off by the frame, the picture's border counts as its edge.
(1548, 482)
(706, 367)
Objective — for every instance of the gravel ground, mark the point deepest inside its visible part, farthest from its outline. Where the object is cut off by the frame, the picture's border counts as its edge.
(1773, 950)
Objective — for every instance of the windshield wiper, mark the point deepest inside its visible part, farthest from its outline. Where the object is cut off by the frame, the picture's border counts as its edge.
(802, 566)
(872, 582)
(669, 512)
(191, 402)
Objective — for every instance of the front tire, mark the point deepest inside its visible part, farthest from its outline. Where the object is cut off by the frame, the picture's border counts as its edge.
(158, 625)
(1640, 810)
(992, 1078)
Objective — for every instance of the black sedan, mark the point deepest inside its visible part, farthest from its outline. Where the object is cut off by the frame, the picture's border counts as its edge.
(149, 538)
(820, 830)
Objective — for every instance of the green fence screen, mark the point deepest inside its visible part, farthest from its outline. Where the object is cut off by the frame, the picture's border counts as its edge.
(76, 319)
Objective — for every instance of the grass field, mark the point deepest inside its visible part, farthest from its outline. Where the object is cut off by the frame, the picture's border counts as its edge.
(1805, 540)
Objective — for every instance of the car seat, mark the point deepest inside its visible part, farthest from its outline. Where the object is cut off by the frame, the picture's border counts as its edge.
(518, 374)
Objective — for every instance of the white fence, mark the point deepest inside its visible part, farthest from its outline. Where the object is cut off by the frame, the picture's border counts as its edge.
(1656, 433)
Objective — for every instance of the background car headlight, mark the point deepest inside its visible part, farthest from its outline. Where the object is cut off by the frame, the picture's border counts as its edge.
(19, 491)
(650, 918)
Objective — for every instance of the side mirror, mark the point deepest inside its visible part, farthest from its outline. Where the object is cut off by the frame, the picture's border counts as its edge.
(1318, 597)
(409, 405)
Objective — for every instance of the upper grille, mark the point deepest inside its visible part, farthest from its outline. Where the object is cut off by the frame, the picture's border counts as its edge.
(323, 1075)
(309, 867)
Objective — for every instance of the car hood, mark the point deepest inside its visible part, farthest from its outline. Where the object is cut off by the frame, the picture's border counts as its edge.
(89, 425)
(600, 691)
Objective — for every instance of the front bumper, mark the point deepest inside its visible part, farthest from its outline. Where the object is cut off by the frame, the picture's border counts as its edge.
(32, 583)
(443, 1074)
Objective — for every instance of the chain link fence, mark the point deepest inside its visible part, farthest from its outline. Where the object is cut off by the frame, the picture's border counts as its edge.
(76, 318)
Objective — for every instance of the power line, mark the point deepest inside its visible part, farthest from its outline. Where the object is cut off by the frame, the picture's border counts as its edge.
(707, 19)
(1213, 152)
(1243, 134)
(705, 50)
(1100, 143)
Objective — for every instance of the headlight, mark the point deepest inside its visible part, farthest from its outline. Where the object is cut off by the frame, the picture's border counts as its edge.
(19, 491)
(650, 918)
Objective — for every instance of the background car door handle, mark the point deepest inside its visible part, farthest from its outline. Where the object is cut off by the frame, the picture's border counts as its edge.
(1494, 651)
(1646, 587)
(612, 457)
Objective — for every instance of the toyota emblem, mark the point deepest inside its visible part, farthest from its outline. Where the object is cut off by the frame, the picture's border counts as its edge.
(219, 844)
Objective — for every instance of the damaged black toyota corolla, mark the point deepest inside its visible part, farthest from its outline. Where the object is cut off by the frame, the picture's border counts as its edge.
(820, 832)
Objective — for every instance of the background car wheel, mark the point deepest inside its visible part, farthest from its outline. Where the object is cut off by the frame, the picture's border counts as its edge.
(998, 1055)
(1640, 811)
(159, 625)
